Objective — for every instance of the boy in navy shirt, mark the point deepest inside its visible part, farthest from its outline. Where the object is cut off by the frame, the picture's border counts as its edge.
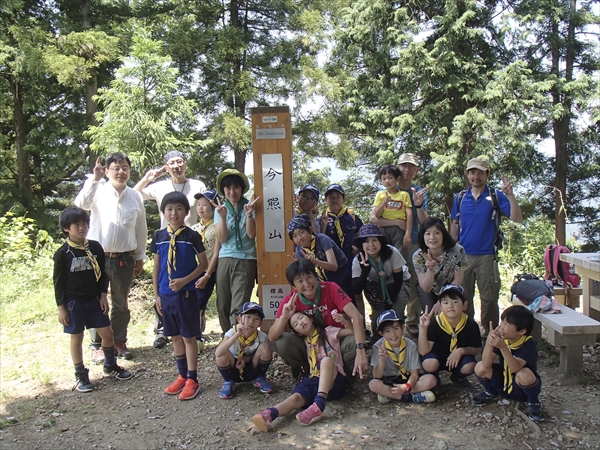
(515, 375)
(80, 288)
(179, 259)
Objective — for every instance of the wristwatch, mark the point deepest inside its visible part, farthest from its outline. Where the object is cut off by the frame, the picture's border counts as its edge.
(360, 346)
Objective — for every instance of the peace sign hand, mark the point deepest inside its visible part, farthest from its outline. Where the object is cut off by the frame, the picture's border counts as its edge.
(425, 319)
(507, 186)
(154, 174)
(251, 205)
(289, 308)
(221, 210)
(430, 262)
(419, 196)
(99, 170)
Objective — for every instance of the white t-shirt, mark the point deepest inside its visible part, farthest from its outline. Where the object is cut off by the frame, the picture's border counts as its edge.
(251, 349)
(157, 191)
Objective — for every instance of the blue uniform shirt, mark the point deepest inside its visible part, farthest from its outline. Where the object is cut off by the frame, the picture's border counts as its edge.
(350, 224)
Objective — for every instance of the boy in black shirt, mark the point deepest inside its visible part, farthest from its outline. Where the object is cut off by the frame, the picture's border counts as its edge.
(515, 376)
(80, 287)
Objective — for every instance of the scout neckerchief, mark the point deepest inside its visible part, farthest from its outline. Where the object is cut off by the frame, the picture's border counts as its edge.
(237, 215)
(442, 321)
(337, 223)
(508, 378)
(314, 304)
(86, 248)
(381, 273)
(203, 227)
(312, 250)
(243, 343)
(171, 261)
(312, 353)
(398, 360)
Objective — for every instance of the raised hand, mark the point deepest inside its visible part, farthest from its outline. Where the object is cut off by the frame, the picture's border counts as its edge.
(221, 210)
(251, 205)
(507, 186)
(419, 196)
(308, 255)
(154, 174)
(425, 318)
(99, 170)
(363, 260)
(289, 308)
(430, 262)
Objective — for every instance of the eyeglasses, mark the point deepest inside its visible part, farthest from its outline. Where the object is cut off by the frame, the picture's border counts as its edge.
(175, 162)
(120, 169)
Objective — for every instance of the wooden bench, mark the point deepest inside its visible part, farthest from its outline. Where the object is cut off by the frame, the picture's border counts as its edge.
(572, 299)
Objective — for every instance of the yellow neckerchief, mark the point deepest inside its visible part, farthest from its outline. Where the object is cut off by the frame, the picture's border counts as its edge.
(243, 343)
(86, 248)
(398, 360)
(313, 341)
(203, 227)
(508, 378)
(171, 263)
(442, 321)
(337, 223)
(312, 250)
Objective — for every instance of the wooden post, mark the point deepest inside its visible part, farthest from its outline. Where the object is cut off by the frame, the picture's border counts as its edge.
(272, 155)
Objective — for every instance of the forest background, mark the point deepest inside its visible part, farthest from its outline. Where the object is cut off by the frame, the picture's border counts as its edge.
(366, 81)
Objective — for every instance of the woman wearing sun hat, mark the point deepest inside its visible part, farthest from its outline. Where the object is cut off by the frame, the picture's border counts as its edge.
(235, 230)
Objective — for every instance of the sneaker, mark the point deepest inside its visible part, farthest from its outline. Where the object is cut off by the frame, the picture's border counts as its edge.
(534, 412)
(423, 397)
(190, 390)
(226, 391)
(462, 383)
(383, 399)
(263, 385)
(82, 381)
(309, 415)
(483, 398)
(263, 421)
(122, 351)
(176, 387)
(97, 356)
(117, 371)
(159, 342)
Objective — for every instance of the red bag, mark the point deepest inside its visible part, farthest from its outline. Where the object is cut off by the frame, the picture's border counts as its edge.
(561, 273)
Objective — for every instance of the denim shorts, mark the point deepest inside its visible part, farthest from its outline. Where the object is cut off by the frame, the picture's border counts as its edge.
(85, 314)
(181, 315)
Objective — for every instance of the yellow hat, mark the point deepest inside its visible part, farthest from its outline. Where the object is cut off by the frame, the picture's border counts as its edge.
(235, 172)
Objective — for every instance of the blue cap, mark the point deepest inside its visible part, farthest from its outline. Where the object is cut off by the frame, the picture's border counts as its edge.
(312, 188)
(388, 315)
(251, 306)
(299, 221)
(452, 288)
(335, 187)
(210, 195)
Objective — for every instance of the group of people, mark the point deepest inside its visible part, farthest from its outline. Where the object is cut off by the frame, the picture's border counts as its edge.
(418, 280)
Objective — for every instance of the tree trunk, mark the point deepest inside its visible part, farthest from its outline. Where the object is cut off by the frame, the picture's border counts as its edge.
(24, 177)
(237, 105)
(91, 87)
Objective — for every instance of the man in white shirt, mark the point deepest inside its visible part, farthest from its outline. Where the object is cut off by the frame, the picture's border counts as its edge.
(175, 165)
(118, 222)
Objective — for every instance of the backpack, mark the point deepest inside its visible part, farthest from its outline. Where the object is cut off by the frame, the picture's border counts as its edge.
(528, 287)
(559, 272)
(496, 215)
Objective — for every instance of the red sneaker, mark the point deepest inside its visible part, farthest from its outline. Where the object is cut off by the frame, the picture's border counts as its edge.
(263, 420)
(309, 415)
(190, 390)
(176, 387)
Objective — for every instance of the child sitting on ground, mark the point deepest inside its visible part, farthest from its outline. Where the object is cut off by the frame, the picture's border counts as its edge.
(326, 380)
(80, 288)
(179, 259)
(515, 376)
(451, 340)
(396, 365)
(244, 354)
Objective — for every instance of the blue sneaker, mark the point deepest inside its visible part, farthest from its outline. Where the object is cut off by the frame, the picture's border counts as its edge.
(423, 397)
(226, 391)
(263, 385)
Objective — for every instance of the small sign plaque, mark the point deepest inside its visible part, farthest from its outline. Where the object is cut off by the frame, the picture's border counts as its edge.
(272, 295)
(269, 119)
(270, 133)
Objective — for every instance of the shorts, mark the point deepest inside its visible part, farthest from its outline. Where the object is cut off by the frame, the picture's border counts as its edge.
(441, 359)
(85, 314)
(389, 381)
(308, 388)
(204, 294)
(497, 382)
(181, 315)
(250, 373)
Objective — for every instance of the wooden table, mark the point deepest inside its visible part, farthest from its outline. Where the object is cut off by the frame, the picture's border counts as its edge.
(587, 265)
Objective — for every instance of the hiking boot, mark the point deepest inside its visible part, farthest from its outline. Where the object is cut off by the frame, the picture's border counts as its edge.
(190, 390)
(483, 398)
(97, 356)
(122, 351)
(534, 412)
(160, 342)
(117, 371)
(82, 381)
(226, 391)
(176, 387)
(263, 420)
(309, 415)
(263, 385)
(383, 399)
(462, 383)
(423, 397)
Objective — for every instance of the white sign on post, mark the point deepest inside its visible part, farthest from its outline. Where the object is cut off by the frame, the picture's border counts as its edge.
(270, 133)
(272, 174)
(272, 295)
(269, 119)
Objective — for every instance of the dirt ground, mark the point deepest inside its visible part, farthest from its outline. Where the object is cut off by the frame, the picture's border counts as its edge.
(136, 414)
